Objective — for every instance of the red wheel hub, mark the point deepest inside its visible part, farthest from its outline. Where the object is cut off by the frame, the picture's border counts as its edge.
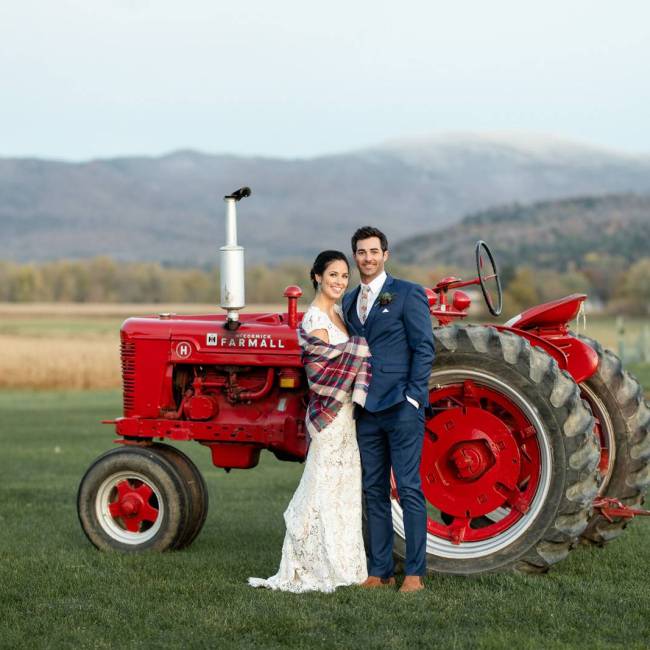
(470, 462)
(132, 505)
(480, 462)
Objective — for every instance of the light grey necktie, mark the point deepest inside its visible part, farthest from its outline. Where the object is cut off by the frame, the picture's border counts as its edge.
(363, 305)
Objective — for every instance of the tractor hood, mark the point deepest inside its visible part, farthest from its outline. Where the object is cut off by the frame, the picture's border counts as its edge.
(261, 339)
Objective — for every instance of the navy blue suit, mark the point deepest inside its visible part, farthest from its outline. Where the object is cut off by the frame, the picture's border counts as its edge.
(389, 428)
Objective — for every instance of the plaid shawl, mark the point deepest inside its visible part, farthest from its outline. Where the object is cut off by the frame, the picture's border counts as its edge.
(333, 372)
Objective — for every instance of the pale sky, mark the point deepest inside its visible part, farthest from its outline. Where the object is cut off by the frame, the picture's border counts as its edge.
(101, 78)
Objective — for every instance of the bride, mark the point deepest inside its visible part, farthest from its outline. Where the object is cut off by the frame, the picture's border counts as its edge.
(323, 545)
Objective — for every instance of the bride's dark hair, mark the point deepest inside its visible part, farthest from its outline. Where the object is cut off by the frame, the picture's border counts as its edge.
(322, 261)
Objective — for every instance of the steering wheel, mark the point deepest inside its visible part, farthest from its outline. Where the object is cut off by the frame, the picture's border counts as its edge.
(483, 256)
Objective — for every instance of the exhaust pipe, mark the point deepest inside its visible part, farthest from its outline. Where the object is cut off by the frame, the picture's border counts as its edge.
(232, 263)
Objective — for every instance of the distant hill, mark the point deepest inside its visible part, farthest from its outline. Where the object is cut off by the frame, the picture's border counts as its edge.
(170, 208)
(550, 234)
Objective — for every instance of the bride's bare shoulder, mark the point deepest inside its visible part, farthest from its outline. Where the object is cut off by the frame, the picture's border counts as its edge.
(314, 318)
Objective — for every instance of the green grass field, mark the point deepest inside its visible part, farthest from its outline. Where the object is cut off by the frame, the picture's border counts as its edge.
(56, 590)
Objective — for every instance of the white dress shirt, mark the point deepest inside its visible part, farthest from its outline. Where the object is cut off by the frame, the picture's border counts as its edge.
(375, 287)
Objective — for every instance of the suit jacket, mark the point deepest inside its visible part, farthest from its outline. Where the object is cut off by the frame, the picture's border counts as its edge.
(400, 338)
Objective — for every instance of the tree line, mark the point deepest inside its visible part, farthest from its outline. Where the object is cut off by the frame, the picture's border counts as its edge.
(103, 279)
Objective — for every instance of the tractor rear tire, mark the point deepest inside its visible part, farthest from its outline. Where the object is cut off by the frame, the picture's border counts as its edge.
(196, 486)
(527, 378)
(133, 499)
(617, 401)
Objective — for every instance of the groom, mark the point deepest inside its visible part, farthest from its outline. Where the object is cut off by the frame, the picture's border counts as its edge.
(393, 316)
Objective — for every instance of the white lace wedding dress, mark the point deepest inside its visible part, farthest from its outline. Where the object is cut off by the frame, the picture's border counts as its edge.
(323, 545)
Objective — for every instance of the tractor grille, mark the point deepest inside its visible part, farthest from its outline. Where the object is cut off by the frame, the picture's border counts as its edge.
(128, 376)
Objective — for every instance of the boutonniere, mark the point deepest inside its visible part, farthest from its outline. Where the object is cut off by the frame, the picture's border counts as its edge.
(385, 298)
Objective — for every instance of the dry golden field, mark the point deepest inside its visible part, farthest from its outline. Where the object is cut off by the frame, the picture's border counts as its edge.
(44, 362)
(73, 346)
(76, 346)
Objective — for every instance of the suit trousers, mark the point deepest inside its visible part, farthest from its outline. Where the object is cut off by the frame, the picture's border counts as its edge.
(393, 438)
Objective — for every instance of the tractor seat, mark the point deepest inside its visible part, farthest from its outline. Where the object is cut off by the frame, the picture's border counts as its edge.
(549, 313)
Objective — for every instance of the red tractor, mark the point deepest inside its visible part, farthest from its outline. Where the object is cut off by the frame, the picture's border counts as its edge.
(535, 437)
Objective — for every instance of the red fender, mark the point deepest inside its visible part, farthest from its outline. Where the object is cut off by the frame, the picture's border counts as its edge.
(547, 326)
(555, 314)
(573, 355)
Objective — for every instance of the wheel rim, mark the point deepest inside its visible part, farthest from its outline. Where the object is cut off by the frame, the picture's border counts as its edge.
(487, 478)
(606, 437)
(129, 507)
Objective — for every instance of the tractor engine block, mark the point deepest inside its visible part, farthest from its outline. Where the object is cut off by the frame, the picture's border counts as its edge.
(238, 392)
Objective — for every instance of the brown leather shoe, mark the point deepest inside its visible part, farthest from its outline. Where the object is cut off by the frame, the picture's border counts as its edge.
(371, 582)
(411, 584)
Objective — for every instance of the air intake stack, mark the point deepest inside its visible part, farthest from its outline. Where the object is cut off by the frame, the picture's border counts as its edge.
(232, 263)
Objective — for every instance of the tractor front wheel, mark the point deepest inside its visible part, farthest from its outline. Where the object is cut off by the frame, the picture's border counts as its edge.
(196, 486)
(133, 499)
(509, 456)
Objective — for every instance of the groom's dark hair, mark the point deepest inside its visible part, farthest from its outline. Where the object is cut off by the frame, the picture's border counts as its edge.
(369, 231)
